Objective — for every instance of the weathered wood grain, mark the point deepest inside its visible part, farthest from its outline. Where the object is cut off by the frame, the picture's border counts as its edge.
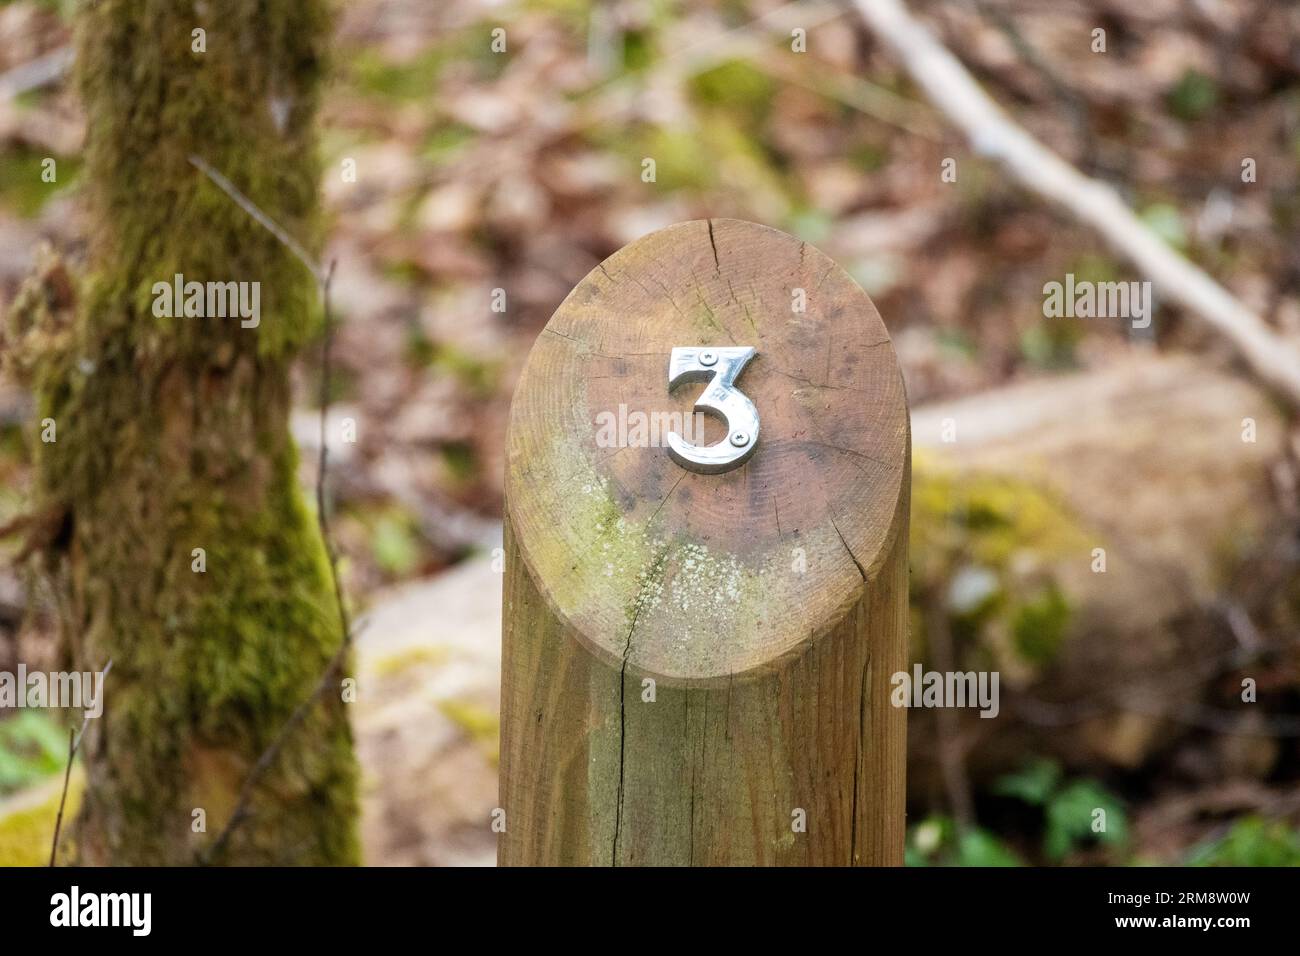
(766, 607)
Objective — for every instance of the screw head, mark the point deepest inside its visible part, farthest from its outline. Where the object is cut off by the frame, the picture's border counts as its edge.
(708, 357)
(739, 439)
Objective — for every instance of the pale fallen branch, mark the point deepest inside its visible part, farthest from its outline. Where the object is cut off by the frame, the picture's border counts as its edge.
(35, 74)
(992, 133)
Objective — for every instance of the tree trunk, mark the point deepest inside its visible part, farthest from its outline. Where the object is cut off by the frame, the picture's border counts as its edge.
(172, 436)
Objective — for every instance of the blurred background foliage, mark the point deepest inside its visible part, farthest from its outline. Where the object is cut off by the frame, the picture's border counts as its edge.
(477, 170)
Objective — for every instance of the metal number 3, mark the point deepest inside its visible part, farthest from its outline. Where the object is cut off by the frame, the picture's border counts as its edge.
(720, 367)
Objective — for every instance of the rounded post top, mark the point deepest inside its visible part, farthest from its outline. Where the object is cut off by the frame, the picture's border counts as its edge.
(700, 577)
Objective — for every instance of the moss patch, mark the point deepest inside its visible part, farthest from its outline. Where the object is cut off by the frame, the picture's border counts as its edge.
(409, 658)
(21, 187)
(482, 725)
(1003, 534)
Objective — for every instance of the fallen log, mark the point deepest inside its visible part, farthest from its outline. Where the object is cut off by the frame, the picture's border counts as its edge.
(1088, 536)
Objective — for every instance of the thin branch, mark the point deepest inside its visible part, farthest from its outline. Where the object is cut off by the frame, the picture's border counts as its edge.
(74, 744)
(265, 221)
(1069, 98)
(322, 458)
(17, 523)
(952, 748)
(1141, 696)
(67, 775)
(992, 133)
(268, 757)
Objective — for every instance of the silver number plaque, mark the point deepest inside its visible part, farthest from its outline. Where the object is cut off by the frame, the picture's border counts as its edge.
(720, 367)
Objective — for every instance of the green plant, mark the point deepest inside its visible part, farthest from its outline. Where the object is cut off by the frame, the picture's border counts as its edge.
(1250, 841)
(32, 746)
(938, 841)
(1039, 625)
(1193, 96)
(1075, 812)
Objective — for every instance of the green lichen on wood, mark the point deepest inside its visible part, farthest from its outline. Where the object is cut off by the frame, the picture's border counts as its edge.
(614, 549)
(617, 544)
(650, 570)
(172, 436)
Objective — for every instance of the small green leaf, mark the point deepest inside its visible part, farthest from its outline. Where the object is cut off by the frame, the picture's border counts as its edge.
(978, 847)
(1034, 784)
(1194, 95)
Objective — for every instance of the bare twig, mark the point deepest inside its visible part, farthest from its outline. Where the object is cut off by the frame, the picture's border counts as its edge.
(1144, 697)
(1075, 104)
(952, 748)
(994, 134)
(268, 756)
(74, 744)
(67, 775)
(322, 457)
(265, 221)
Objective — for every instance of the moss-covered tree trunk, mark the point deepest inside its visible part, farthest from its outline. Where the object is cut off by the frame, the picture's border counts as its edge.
(172, 436)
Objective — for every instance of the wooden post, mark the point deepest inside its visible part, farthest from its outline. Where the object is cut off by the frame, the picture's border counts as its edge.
(696, 667)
